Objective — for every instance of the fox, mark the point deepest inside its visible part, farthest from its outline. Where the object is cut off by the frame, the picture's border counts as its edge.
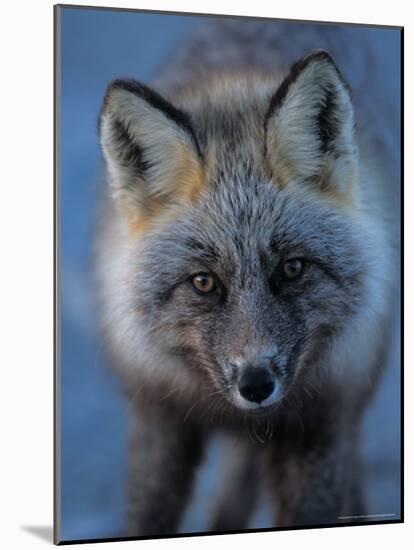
(246, 275)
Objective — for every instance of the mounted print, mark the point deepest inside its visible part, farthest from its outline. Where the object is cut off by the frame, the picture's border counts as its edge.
(228, 274)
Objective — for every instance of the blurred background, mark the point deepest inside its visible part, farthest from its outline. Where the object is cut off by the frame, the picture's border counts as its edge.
(97, 46)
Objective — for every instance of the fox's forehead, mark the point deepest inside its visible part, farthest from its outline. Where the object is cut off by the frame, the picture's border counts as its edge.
(254, 213)
(241, 222)
(228, 117)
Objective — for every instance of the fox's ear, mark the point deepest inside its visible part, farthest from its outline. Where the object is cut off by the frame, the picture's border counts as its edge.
(150, 148)
(310, 128)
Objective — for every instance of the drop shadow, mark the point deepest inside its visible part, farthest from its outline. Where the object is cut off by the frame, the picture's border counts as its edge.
(44, 532)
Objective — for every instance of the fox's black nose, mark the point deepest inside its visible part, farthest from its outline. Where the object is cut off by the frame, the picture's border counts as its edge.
(256, 384)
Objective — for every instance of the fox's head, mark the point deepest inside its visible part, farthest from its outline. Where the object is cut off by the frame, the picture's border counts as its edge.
(239, 204)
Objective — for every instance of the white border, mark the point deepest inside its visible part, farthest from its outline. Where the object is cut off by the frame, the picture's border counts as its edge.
(26, 234)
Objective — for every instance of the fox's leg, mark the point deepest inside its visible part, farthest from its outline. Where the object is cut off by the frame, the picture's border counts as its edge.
(239, 489)
(164, 452)
(315, 482)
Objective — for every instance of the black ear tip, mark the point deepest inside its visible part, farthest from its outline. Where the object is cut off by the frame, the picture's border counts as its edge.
(127, 84)
(316, 56)
(320, 56)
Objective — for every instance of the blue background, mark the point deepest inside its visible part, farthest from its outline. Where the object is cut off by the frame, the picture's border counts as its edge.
(97, 46)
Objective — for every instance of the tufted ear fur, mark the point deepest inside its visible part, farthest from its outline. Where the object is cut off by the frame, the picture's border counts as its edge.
(309, 129)
(150, 148)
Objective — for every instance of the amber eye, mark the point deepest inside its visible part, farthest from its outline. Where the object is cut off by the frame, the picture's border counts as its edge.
(293, 268)
(204, 283)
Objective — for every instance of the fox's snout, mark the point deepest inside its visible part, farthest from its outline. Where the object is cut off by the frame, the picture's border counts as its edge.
(257, 383)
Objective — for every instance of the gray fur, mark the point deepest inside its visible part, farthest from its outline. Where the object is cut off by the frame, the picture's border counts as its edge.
(321, 335)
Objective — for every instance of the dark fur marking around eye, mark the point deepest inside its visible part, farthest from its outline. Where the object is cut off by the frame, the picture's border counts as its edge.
(180, 117)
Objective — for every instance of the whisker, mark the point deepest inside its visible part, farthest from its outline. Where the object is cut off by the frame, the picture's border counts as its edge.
(170, 393)
(308, 392)
(135, 395)
(189, 411)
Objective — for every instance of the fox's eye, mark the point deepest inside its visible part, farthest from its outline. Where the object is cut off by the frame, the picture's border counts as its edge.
(204, 282)
(293, 268)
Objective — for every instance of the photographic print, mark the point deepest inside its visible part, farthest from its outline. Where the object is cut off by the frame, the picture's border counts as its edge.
(228, 274)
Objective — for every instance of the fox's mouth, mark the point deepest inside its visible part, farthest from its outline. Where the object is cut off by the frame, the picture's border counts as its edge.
(257, 407)
(260, 411)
